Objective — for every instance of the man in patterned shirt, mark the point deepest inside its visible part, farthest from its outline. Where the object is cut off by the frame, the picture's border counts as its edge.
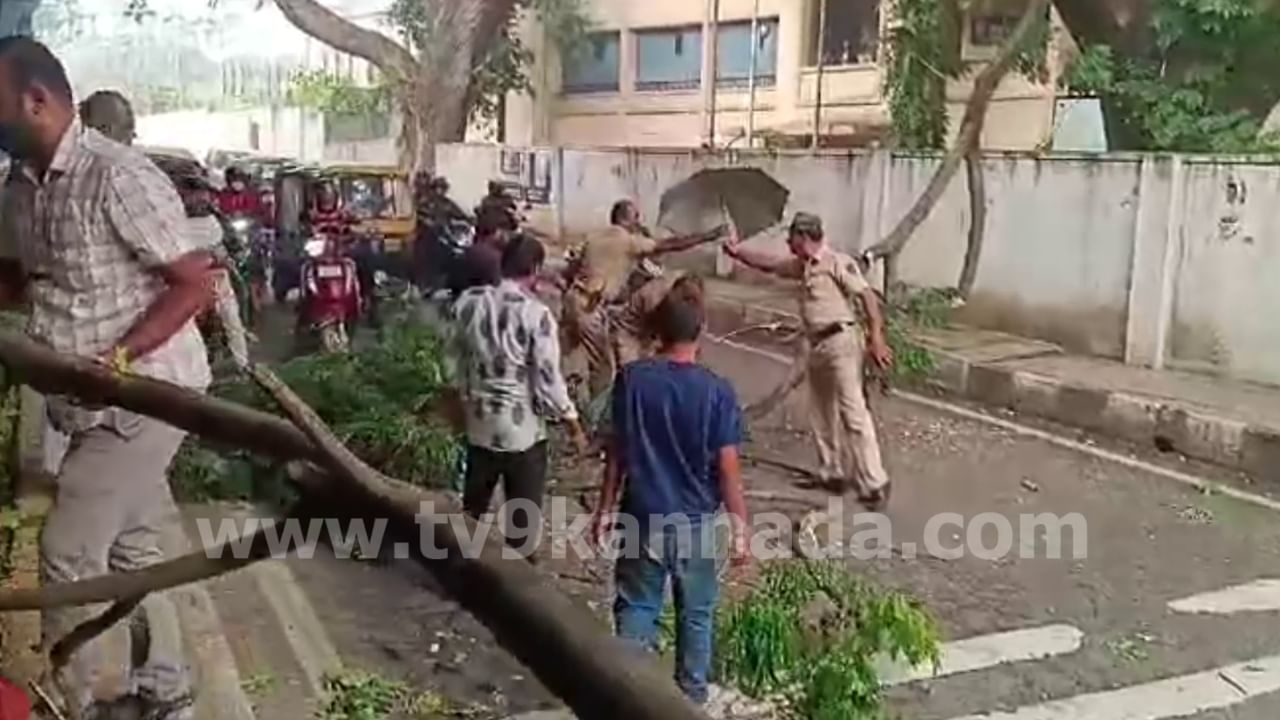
(507, 352)
(95, 241)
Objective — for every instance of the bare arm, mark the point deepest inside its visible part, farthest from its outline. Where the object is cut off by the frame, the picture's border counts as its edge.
(875, 314)
(730, 465)
(685, 242)
(190, 281)
(148, 218)
(612, 486)
(228, 309)
(763, 261)
(549, 384)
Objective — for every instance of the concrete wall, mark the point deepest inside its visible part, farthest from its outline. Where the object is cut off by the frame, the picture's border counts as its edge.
(1155, 260)
(284, 131)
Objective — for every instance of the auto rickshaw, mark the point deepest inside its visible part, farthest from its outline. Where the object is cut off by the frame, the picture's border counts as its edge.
(380, 199)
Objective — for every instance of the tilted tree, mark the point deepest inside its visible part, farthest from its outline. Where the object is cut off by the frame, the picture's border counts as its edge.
(452, 57)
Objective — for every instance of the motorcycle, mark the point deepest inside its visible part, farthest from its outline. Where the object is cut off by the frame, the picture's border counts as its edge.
(331, 298)
(438, 253)
(241, 242)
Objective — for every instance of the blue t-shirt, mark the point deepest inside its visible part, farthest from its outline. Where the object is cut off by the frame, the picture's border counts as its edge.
(671, 420)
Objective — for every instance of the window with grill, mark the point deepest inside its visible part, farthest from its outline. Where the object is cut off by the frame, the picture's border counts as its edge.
(594, 67)
(733, 55)
(851, 35)
(669, 59)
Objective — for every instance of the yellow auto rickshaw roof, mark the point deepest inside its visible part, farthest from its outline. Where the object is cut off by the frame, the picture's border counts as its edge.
(358, 169)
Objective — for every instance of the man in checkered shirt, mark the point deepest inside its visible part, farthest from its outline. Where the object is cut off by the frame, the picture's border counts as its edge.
(94, 239)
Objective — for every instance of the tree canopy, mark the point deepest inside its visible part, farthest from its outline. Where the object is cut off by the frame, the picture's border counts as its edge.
(1195, 76)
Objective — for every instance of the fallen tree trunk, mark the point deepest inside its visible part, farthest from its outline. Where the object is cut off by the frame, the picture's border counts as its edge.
(573, 657)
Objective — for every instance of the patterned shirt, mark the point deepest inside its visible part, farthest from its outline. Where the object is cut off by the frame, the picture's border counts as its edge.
(505, 348)
(90, 235)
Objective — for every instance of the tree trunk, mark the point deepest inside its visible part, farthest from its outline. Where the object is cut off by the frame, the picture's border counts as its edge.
(977, 223)
(433, 92)
(967, 139)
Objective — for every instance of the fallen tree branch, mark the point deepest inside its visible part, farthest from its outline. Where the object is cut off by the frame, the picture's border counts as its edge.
(117, 587)
(967, 138)
(796, 375)
(90, 629)
(542, 629)
(538, 625)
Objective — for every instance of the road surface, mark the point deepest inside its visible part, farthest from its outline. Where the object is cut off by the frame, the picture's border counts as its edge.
(1171, 611)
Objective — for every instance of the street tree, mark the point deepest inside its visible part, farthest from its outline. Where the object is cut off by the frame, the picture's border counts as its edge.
(453, 60)
(1180, 75)
(446, 63)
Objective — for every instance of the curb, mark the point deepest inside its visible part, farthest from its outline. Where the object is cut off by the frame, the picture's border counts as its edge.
(1196, 433)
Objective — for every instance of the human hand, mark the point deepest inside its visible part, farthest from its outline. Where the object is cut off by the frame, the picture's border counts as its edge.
(578, 437)
(739, 550)
(601, 523)
(880, 352)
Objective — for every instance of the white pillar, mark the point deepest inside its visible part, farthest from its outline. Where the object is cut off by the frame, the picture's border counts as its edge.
(1157, 243)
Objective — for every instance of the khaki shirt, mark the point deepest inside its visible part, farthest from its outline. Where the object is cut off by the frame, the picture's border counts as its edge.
(630, 318)
(828, 285)
(607, 259)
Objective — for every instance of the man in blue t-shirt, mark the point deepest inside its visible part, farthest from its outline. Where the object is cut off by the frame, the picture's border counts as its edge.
(674, 456)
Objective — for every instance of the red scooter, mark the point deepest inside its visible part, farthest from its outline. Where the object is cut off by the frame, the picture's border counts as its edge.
(330, 302)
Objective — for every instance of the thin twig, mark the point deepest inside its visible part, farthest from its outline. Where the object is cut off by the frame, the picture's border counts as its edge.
(90, 629)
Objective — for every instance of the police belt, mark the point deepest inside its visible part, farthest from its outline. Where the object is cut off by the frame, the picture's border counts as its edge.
(828, 331)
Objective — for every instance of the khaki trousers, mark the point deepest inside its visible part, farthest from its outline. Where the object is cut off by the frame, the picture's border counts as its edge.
(587, 327)
(843, 428)
(113, 501)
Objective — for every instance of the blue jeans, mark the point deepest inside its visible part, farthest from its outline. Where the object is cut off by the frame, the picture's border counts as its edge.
(695, 586)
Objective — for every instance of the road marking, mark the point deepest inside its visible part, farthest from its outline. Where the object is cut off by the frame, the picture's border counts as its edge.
(1258, 596)
(1024, 430)
(987, 651)
(1176, 697)
(204, 641)
(303, 630)
(302, 627)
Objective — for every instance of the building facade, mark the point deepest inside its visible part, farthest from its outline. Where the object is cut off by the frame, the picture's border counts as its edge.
(646, 77)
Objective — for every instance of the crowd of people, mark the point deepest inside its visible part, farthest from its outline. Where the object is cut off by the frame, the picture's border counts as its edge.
(115, 263)
(672, 427)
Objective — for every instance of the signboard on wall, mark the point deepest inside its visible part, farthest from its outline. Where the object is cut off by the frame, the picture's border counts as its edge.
(526, 174)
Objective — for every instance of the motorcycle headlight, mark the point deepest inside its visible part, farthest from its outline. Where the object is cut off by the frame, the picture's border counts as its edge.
(241, 225)
(314, 248)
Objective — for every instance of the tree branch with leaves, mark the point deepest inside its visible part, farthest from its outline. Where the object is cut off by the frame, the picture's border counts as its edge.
(452, 62)
(926, 119)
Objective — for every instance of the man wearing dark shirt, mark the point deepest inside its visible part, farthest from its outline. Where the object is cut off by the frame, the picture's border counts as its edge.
(484, 257)
(674, 456)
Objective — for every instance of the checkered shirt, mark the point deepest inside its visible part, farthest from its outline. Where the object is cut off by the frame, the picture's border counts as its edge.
(90, 236)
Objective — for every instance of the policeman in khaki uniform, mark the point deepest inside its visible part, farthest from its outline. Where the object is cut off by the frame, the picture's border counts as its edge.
(830, 288)
(598, 285)
(650, 284)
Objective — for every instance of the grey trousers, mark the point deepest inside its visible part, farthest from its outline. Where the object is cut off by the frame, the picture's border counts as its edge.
(112, 503)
